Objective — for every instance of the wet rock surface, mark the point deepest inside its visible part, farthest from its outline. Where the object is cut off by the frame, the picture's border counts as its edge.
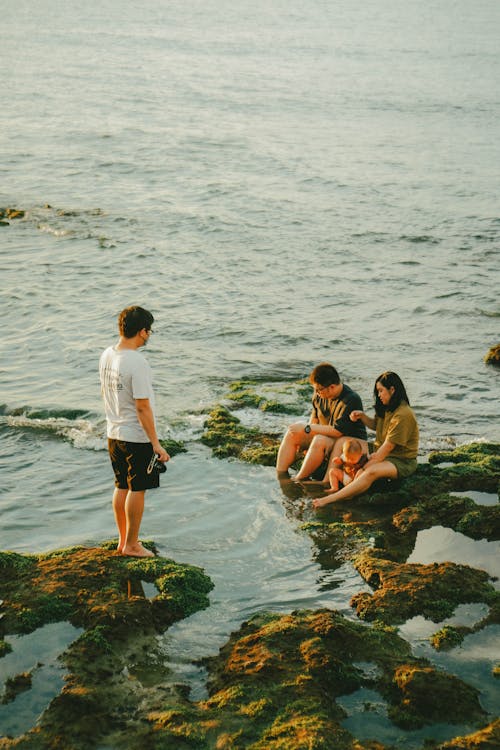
(277, 682)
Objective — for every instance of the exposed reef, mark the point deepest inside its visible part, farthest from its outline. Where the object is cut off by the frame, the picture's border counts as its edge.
(230, 438)
(111, 663)
(275, 685)
(278, 683)
(493, 356)
(7, 214)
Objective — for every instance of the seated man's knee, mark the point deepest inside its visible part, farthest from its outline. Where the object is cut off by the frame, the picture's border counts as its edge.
(322, 441)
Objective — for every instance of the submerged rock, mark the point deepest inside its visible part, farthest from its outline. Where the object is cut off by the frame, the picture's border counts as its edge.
(227, 437)
(11, 213)
(493, 356)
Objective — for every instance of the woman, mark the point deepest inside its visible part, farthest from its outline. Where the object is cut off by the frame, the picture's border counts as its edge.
(396, 439)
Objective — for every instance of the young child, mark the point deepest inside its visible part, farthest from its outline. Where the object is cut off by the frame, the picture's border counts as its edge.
(346, 466)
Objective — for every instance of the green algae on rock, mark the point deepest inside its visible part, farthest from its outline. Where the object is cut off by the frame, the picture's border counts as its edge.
(227, 437)
(493, 356)
(173, 447)
(487, 738)
(109, 664)
(403, 590)
(285, 398)
(449, 637)
(458, 513)
(274, 686)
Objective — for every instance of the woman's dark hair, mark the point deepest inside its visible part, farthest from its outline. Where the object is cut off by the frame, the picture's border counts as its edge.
(325, 375)
(134, 319)
(390, 380)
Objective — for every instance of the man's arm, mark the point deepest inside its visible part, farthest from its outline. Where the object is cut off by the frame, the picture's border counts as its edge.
(146, 418)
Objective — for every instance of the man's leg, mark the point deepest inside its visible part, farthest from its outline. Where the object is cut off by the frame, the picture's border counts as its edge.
(134, 508)
(287, 452)
(119, 497)
(318, 450)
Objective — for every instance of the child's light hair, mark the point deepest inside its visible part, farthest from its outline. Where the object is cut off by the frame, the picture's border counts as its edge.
(351, 447)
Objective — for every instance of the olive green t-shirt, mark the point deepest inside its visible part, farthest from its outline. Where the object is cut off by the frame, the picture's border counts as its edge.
(400, 428)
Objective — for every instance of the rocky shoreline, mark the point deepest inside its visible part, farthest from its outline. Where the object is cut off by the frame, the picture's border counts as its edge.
(276, 683)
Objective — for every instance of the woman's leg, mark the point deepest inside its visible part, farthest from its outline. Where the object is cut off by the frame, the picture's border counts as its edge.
(364, 480)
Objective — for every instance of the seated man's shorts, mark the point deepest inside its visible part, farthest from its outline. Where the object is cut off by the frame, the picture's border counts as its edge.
(130, 463)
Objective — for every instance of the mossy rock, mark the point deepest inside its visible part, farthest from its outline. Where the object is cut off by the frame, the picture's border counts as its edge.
(11, 213)
(228, 438)
(275, 684)
(253, 394)
(493, 356)
(487, 738)
(427, 695)
(173, 447)
(459, 513)
(403, 590)
(448, 637)
(100, 591)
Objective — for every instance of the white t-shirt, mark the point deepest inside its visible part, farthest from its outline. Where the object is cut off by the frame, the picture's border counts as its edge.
(125, 375)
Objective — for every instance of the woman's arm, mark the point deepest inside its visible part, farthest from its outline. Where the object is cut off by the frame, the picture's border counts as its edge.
(367, 421)
(381, 453)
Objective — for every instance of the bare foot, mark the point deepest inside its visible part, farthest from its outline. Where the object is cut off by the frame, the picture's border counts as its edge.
(282, 475)
(137, 550)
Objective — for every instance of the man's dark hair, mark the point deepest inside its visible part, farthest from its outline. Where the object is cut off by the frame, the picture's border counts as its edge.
(390, 380)
(325, 375)
(134, 319)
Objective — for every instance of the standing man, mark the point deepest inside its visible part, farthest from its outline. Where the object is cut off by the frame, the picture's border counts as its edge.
(127, 390)
(322, 437)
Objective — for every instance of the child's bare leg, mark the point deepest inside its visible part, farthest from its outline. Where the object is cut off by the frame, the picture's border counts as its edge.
(334, 478)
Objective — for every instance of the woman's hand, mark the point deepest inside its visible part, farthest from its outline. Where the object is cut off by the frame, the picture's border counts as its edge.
(381, 454)
(357, 414)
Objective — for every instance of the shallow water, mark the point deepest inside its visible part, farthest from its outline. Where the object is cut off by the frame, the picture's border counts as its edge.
(440, 544)
(281, 184)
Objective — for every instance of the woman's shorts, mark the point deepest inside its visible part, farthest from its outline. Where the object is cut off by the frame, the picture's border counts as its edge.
(130, 463)
(405, 466)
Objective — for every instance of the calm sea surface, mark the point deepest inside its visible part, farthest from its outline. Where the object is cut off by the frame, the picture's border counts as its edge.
(281, 184)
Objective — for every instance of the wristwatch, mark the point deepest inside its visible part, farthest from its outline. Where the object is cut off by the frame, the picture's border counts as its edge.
(307, 429)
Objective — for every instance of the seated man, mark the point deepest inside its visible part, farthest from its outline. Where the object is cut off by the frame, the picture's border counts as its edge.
(322, 437)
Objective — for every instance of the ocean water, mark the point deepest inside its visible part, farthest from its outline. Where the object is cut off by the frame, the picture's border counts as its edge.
(281, 184)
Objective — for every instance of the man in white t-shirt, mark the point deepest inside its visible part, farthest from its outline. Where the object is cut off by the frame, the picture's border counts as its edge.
(127, 390)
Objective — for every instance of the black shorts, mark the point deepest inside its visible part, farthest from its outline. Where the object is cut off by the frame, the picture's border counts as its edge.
(130, 463)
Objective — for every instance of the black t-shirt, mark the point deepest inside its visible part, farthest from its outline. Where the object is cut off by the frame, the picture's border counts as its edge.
(335, 412)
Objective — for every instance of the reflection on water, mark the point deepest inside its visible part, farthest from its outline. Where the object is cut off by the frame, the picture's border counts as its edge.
(367, 719)
(36, 653)
(480, 498)
(472, 661)
(441, 544)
